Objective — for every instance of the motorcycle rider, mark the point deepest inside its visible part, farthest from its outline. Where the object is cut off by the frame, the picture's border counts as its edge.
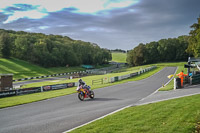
(81, 82)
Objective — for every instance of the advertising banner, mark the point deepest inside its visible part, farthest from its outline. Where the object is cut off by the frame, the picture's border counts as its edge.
(58, 86)
(28, 90)
(7, 93)
(47, 88)
(70, 85)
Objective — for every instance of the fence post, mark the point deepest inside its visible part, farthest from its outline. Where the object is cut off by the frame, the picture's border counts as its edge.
(41, 89)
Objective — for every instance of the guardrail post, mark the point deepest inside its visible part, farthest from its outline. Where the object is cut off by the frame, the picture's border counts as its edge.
(41, 89)
(190, 80)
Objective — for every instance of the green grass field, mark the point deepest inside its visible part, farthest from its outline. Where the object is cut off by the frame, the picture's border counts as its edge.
(172, 116)
(23, 69)
(119, 57)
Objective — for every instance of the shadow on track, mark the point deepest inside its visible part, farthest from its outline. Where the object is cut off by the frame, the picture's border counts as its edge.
(102, 99)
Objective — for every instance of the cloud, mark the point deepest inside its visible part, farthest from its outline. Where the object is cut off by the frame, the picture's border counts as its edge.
(17, 9)
(111, 24)
(25, 14)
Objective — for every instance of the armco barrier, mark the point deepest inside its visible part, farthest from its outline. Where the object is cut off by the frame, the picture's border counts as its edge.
(113, 79)
(195, 79)
(35, 89)
(28, 90)
(8, 93)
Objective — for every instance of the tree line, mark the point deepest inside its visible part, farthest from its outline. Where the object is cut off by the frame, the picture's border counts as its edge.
(167, 50)
(50, 50)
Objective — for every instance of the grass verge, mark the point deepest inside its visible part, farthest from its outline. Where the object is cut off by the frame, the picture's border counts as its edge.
(163, 117)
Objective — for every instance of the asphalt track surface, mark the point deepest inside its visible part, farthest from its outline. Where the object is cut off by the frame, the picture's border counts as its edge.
(60, 114)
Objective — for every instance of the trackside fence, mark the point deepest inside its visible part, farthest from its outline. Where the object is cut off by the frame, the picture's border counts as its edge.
(118, 78)
(36, 89)
(100, 81)
(195, 79)
(114, 79)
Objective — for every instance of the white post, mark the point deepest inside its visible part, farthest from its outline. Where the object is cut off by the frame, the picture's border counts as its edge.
(41, 89)
(174, 83)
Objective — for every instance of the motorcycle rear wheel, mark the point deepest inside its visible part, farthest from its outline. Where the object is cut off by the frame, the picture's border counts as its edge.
(80, 96)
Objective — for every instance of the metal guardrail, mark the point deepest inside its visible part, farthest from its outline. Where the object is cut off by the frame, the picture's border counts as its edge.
(117, 78)
(36, 89)
(195, 79)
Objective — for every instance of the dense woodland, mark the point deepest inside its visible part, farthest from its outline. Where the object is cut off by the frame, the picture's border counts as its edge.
(50, 50)
(167, 50)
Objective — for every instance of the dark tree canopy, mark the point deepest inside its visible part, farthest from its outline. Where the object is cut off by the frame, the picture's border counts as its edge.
(165, 50)
(50, 50)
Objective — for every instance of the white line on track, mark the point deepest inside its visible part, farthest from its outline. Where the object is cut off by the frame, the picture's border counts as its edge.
(98, 118)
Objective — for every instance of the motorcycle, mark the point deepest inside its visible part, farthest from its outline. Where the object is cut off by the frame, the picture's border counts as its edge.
(84, 92)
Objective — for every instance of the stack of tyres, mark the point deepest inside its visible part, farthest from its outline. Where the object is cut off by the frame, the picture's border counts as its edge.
(178, 83)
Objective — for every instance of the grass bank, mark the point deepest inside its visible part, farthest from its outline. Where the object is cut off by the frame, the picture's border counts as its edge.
(119, 57)
(172, 116)
(23, 69)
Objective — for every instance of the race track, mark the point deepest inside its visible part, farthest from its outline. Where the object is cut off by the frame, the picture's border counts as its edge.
(63, 113)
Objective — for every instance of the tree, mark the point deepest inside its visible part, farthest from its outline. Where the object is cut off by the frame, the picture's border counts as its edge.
(5, 46)
(194, 40)
(152, 55)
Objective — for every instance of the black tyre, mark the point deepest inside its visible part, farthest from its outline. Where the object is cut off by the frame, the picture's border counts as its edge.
(80, 96)
(91, 94)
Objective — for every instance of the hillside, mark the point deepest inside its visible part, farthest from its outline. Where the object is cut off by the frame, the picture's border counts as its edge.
(23, 69)
(119, 57)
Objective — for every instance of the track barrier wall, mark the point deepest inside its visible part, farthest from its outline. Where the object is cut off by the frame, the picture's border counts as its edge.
(36, 89)
(114, 79)
(118, 78)
(195, 79)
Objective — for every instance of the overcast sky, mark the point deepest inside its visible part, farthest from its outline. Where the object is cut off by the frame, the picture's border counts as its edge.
(112, 24)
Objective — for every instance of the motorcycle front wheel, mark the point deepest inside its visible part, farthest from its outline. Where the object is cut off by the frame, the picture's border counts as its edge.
(80, 96)
(91, 94)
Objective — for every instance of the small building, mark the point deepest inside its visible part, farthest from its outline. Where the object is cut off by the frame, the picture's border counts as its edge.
(87, 66)
(6, 82)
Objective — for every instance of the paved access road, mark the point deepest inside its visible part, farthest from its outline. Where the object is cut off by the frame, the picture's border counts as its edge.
(66, 112)
(17, 84)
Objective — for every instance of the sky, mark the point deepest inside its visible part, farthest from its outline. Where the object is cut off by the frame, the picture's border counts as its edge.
(112, 24)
